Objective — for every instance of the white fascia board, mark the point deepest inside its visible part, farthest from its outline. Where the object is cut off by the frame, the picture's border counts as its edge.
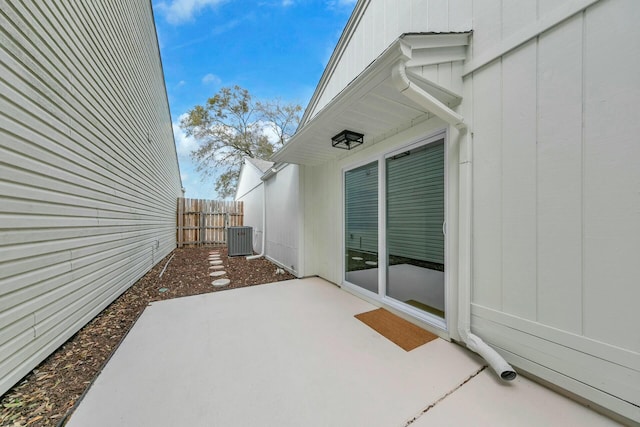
(336, 56)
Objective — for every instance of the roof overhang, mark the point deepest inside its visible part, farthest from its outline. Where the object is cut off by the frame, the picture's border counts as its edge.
(371, 104)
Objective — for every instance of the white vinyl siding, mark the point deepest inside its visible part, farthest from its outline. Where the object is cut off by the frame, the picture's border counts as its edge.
(361, 208)
(88, 168)
(284, 218)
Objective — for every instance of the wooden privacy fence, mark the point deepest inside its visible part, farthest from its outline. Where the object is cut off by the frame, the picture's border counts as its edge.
(205, 222)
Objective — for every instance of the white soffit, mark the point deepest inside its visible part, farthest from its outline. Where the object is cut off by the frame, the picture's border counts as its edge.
(371, 104)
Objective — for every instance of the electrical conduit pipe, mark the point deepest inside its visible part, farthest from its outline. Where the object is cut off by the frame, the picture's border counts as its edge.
(433, 105)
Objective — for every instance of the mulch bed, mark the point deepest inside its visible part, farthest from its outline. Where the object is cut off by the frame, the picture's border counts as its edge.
(46, 395)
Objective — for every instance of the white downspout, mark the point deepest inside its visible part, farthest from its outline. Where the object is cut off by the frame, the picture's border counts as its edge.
(433, 105)
(264, 223)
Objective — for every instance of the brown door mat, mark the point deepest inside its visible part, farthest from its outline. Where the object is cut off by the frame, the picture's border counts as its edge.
(397, 330)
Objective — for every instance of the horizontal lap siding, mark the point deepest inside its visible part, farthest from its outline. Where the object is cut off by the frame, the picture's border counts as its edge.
(361, 208)
(88, 169)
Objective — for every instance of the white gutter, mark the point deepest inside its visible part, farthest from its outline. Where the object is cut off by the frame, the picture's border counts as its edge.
(264, 223)
(433, 105)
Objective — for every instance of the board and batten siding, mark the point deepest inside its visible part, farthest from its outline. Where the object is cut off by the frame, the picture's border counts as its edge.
(549, 92)
(556, 210)
(88, 168)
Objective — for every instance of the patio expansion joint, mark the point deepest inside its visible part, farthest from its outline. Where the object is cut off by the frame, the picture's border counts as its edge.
(449, 393)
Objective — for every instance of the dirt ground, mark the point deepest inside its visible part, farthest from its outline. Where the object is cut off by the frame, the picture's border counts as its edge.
(46, 395)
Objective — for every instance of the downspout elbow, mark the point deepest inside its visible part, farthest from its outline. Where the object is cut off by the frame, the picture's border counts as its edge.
(497, 362)
(421, 97)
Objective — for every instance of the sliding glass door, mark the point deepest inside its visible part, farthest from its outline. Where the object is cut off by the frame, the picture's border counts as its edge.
(415, 227)
(413, 248)
(361, 226)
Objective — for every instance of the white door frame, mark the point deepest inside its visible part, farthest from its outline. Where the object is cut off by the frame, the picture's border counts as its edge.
(380, 298)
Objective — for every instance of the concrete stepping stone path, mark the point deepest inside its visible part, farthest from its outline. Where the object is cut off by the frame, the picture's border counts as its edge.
(221, 282)
(215, 262)
(217, 273)
(216, 267)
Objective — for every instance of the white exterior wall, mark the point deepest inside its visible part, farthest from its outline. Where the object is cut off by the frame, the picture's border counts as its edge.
(323, 194)
(248, 180)
(322, 215)
(250, 192)
(284, 216)
(88, 169)
(549, 93)
(382, 23)
(556, 203)
(253, 202)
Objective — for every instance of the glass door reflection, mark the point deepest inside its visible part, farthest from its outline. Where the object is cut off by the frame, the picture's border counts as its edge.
(361, 226)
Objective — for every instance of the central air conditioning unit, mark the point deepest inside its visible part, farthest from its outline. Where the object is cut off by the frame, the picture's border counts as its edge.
(240, 241)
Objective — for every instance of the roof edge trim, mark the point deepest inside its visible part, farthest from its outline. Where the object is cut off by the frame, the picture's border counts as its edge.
(338, 51)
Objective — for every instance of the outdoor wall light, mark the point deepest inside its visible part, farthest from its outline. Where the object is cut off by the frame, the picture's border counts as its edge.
(347, 139)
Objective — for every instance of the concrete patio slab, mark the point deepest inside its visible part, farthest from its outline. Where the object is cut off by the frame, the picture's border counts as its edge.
(486, 401)
(284, 354)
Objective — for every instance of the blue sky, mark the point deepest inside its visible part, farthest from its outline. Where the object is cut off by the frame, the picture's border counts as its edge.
(275, 49)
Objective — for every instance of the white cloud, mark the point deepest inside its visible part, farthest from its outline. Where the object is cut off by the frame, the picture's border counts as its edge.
(184, 144)
(211, 79)
(180, 11)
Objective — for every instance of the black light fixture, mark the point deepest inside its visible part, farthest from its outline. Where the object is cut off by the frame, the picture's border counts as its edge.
(347, 139)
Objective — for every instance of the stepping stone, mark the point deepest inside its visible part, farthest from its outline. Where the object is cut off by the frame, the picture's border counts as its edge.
(214, 253)
(217, 273)
(357, 258)
(215, 262)
(371, 263)
(221, 282)
(216, 267)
